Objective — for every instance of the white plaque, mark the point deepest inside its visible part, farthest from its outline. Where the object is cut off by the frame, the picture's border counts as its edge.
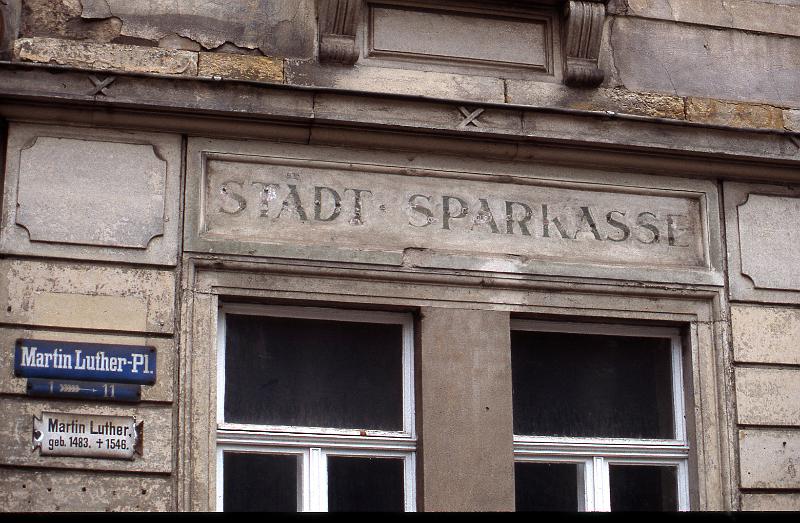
(87, 435)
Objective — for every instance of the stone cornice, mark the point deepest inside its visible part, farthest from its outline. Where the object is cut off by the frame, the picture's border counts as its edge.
(317, 115)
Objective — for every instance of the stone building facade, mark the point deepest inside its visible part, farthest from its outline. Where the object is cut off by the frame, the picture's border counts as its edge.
(455, 255)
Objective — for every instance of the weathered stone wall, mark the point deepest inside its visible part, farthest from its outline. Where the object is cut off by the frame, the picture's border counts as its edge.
(733, 63)
(104, 289)
(767, 397)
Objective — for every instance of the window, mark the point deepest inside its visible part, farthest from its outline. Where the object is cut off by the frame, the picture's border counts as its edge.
(315, 410)
(598, 417)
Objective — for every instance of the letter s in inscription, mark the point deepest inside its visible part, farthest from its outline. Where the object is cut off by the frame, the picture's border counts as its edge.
(626, 231)
(226, 191)
(641, 222)
(421, 209)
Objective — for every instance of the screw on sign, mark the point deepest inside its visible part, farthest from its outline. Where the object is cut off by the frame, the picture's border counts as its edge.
(87, 435)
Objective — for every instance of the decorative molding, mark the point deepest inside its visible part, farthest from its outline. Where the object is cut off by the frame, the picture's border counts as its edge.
(582, 36)
(470, 117)
(101, 86)
(338, 22)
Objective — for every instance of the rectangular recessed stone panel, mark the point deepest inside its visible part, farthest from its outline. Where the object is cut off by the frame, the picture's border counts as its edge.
(770, 458)
(66, 190)
(349, 211)
(16, 427)
(26, 490)
(768, 396)
(770, 502)
(79, 296)
(769, 241)
(763, 231)
(765, 334)
(128, 313)
(482, 38)
(91, 194)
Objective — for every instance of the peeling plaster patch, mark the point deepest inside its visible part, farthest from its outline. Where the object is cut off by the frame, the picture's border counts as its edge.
(231, 48)
(284, 28)
(95, 9)
(62, 18)
(105, 56)
(178, 42)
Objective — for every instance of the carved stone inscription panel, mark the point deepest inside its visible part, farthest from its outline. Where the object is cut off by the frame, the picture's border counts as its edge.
(92, 194)
(309, 208)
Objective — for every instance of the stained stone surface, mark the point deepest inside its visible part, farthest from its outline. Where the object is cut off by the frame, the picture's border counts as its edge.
(653, 55)
(765, 334)
(767, 16)
(789, 501)
(115, 57)
(768, 396)
(47, 490)
(86, 296)
(769, 458)
(239, 66)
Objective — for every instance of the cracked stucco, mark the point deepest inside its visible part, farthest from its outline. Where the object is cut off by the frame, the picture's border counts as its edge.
(275, 27)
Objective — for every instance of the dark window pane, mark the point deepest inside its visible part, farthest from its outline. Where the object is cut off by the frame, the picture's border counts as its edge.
(259, 482)
(365, 484)
(640, 487)
(591, 385)
(547, 486)
(313, 373)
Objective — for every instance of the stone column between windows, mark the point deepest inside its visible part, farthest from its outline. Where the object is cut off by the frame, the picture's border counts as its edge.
(465, 413)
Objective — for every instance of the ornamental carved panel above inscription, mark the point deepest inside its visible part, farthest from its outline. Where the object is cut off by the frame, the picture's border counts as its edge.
(377, 213)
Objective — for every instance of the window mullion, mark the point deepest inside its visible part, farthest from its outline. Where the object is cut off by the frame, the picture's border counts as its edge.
(602, 495)
(409, 469)
(304, 483)
(677, 394)
(683, 486)
(586, 486)
(318, 481)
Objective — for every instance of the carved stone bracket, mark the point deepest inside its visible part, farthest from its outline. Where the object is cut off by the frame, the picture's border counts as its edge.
(338, 22)
(582, 36)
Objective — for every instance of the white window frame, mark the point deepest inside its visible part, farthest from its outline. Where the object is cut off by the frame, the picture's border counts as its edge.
(594, 455)
(313, 445)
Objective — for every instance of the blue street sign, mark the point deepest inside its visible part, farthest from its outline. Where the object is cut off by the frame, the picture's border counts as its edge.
(85, 361)
(90, 390)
